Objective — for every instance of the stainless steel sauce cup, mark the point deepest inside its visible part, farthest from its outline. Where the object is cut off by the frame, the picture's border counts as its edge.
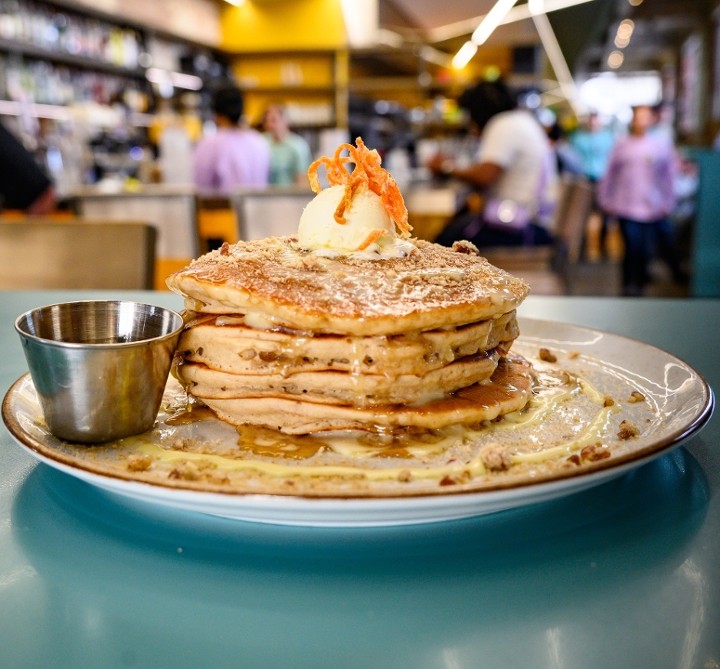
(99, 367)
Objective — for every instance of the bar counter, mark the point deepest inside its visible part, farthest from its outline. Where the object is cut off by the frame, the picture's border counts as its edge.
(625, 574)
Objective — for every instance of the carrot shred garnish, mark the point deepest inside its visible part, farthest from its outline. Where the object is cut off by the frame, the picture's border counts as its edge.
(367, 174)
(371, 239)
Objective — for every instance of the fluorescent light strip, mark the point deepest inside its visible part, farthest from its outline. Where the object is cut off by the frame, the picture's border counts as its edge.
(517, 13)
(536, 6)
(464, 55)
(492, 20)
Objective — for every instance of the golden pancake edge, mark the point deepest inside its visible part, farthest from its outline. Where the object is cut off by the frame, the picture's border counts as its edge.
(276, 281)
(304, 343)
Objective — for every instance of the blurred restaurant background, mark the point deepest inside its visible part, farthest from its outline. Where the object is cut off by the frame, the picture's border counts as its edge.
(110, 96)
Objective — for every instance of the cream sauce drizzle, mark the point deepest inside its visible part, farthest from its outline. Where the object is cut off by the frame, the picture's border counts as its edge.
(582, 428)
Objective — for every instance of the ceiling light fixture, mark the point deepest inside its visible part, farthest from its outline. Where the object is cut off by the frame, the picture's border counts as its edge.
(492, 20)
(464, 55)
(235, 3)
(615, 59)
(361, 22)
(621, 42)
(517, 13)
(501, 13)
(626, 28)
(624, 33)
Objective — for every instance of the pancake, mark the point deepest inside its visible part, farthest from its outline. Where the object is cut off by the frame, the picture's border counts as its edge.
(274, 282)
(226, 344)
(509, 389)
(336, 387)
(351, 323)
(281, 338)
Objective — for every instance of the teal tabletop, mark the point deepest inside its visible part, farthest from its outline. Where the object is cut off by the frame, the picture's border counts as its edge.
(625, 574)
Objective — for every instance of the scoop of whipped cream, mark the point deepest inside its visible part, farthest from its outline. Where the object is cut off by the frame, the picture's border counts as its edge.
(319, 231)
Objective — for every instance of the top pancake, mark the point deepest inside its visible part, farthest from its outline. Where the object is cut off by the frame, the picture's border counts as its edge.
(280, 284)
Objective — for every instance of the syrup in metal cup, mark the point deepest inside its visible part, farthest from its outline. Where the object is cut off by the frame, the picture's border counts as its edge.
(99, 367)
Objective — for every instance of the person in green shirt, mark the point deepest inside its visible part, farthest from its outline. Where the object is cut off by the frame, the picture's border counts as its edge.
(290, 154)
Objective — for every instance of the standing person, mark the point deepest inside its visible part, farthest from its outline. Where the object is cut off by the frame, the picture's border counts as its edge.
(566, 158)
(593, 143)
(638, 188)
(235, 155)
(290, 154)
(514, 171)
(23, 183)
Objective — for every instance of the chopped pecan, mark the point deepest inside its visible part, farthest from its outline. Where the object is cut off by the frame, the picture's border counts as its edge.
(185, 471)
(595, 452)
(139, 463)
(547, 355)
(495, 458)
(462, 477)
(464, 246)
(627, 430)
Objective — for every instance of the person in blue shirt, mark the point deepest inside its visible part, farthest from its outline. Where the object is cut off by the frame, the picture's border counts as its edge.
(290, 154)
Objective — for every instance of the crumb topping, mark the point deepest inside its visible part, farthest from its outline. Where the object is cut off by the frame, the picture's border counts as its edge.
(431, 279)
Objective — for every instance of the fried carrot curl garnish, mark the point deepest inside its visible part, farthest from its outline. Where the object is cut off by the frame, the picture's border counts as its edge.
(367, 174)
(350, 190)
(371, 239)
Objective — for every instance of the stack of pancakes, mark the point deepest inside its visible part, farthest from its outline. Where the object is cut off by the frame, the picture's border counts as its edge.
(280, 337)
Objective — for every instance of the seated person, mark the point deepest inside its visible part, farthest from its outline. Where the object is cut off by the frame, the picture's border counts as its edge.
(514, 172)
(24, 185)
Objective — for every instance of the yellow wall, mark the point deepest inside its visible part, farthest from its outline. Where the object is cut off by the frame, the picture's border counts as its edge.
(271, 25)
(276, 70)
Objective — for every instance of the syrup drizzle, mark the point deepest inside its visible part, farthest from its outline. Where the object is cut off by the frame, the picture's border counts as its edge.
(405, 456)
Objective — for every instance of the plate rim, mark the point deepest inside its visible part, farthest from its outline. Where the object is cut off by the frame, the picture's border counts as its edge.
(568, 482)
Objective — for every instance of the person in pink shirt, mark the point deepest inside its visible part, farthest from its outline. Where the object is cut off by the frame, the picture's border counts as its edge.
(235, 155)
(638, 189)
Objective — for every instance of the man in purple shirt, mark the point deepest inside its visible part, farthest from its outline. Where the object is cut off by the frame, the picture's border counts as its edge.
(233, 156)
(638, 189)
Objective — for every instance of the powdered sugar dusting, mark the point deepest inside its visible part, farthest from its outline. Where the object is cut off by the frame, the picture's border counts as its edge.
(432, 286)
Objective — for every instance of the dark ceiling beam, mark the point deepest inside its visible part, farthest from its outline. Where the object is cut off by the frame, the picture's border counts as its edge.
(579, 27)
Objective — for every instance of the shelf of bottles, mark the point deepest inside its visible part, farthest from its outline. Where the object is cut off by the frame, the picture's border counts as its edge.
(97, 80)
(28, 80)
(46, 30)
(51, 58)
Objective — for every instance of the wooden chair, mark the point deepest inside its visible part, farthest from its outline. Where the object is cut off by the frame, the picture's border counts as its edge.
(548, 268)
(37, 254)
(172, 210)
(429, 209)
(271, 212)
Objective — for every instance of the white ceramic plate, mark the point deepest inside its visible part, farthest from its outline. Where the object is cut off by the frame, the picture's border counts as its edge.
(683, 402)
